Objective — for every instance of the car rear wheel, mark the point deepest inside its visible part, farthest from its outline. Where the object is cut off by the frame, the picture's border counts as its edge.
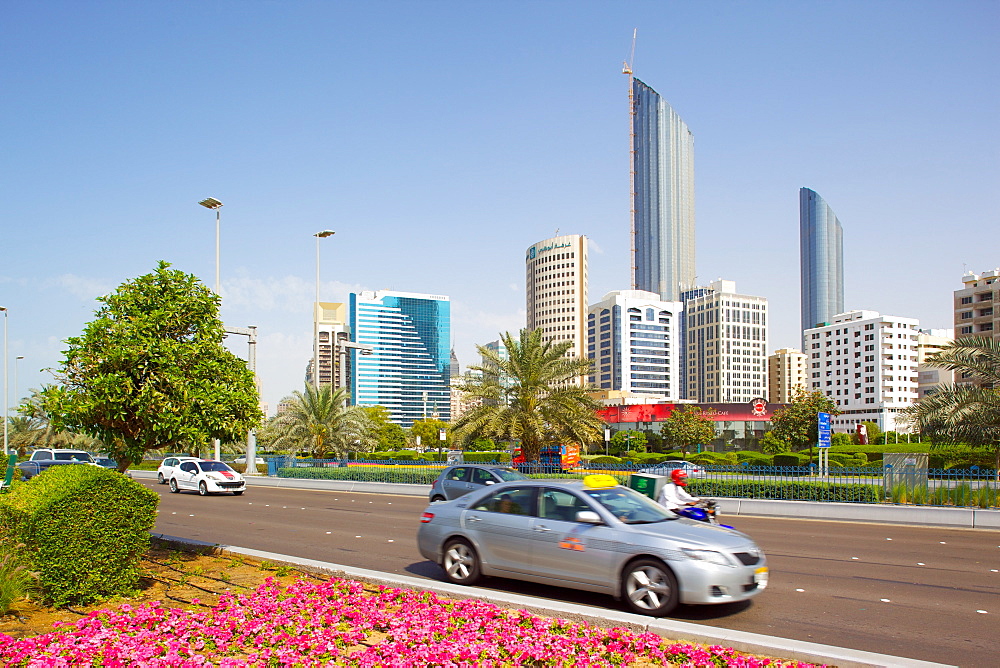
(461, 563)
(436, 498)
(160, 479)
(173, 486)
(203, 489)
(649, 588)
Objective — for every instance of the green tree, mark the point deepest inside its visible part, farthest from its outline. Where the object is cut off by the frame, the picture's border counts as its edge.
(629, 440)
(320, 421)
(151, 371)
(390, 435)
(968, 412)
(688, 427)
(773, 445)
(429, 431)
(532, 396)
(798, 423)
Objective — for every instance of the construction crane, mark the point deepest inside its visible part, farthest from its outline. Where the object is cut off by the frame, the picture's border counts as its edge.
(627, 69)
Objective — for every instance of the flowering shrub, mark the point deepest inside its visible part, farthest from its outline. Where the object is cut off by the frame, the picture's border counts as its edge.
(337, 622)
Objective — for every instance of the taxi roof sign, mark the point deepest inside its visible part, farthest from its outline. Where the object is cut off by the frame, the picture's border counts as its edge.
(600, 481)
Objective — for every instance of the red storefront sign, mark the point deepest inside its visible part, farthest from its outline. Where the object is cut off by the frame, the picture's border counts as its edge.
(755, 411)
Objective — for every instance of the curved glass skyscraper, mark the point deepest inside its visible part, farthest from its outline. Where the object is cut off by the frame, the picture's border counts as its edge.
(821, 252)
(663, 197)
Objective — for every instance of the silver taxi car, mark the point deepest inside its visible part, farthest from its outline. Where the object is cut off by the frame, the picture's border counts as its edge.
(593, 535)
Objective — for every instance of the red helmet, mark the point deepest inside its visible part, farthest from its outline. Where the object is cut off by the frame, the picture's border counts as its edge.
(679, 477)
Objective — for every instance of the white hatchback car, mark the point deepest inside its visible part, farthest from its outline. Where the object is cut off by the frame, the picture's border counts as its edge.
(169, 466)
(207, 476)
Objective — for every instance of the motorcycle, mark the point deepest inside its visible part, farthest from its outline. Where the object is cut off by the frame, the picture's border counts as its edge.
(705, 511)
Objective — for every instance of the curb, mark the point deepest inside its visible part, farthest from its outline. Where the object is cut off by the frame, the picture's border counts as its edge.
(673, 630)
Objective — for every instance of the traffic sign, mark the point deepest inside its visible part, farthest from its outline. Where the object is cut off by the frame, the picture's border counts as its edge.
(823, 422)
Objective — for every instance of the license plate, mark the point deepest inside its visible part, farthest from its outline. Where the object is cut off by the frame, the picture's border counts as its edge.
(760, 577)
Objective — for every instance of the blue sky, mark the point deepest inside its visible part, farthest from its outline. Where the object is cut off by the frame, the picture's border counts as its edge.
(441, 139)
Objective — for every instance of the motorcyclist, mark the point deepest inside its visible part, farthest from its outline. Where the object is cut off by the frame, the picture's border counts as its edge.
(673, 496)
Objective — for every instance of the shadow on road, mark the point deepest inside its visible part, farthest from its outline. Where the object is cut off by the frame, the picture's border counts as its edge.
(691, 613)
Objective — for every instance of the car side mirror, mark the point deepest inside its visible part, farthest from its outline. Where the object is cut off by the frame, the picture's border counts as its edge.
(491, 482)
(589, 517)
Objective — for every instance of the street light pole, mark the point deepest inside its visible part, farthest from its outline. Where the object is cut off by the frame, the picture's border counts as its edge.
(19, 357)
(319, 235)
(215, 205)
(4, 309)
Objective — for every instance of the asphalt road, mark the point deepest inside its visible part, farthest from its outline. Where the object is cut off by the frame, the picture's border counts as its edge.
(924, 593)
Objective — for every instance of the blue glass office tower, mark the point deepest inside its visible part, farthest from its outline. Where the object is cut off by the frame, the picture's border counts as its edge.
(408, 370)
(663, 197)
(821, 252)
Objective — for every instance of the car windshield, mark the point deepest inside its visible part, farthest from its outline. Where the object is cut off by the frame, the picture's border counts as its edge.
(73, 457)
(630, 506)
(509, 474)
(214, 466)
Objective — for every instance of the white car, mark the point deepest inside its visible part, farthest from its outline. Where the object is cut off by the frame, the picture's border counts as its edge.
(169, 465)
(207, 476)
(666, 468)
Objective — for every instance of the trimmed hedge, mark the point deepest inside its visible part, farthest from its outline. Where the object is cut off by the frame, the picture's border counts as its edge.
(788, 490)
(85, 529)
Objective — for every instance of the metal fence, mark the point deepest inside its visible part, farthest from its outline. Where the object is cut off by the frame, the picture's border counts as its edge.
(869, 484)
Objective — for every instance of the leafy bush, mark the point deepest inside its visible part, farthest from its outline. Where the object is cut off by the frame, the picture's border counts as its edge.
(754, 458)
(16, 581)
(488, 457)
(606, 459)
(415, 475)
(84, 528)
(795, 459)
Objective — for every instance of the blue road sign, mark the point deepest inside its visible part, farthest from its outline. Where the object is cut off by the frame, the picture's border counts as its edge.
(824, 430)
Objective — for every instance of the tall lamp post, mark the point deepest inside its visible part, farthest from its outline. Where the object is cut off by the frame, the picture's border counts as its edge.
(4, 309)
(215, 205)
(319, 235)
(19, 357)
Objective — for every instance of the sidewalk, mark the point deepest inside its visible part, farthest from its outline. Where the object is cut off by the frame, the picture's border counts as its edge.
(968, 518)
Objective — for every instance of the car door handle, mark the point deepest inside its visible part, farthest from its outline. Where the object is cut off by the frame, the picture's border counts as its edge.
(473, 518)
(542, 528)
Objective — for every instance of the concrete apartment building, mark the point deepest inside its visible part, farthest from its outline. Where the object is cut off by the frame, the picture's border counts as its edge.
(866, 363)
(726, 338)
(930, 341)
(633, 338)
(977, 305)
(786, 371)
(329, 330)
(556, 290)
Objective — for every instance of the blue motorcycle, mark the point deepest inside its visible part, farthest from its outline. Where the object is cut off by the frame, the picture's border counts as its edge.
(705, 511)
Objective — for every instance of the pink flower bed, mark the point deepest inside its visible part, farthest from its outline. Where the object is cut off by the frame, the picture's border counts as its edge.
(337, 622)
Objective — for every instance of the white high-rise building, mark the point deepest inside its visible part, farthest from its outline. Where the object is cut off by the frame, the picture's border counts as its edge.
(866, 363)
(330, 327)
(726, 338)
(930, 378)
(633, 338)
(556, 290)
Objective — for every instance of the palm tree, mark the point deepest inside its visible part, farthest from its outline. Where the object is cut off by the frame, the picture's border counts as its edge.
(320, 421)
(968, 412)
(531, 396)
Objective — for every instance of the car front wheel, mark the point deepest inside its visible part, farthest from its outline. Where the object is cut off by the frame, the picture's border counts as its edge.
(461, 563)
(160, 479)
(173, 486)
(203, 489)
(649, 588)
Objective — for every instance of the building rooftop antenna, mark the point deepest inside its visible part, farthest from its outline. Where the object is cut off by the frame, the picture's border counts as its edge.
(627, 69)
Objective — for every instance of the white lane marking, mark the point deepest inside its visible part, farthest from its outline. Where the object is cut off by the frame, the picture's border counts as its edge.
(888, 539)
(982, 612)
(885, 600)
(920, 563)
(357, 536)
(391, 541)
(328, 533)
(854, 558)
(800, 590)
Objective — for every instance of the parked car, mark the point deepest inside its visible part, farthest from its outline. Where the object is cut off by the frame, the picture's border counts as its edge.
(455, 481)
(207, 476)
(169, 465)
(45, 458)
(593, 535)
(666, 468)
(106, 462)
